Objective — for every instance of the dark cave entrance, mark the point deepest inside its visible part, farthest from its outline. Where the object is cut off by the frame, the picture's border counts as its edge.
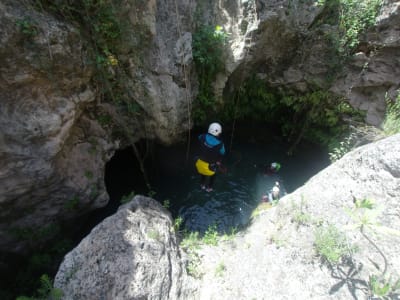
(123, 175)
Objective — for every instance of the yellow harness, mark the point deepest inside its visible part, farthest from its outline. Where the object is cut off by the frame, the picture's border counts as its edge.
(203, 168)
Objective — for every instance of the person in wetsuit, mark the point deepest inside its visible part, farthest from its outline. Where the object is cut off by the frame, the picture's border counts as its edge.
(211, 151)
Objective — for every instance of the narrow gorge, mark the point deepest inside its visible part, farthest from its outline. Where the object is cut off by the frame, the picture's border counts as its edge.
(85, 82)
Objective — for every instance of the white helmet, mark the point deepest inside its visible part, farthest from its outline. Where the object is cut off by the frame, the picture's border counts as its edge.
(215, 129)
(275, 166)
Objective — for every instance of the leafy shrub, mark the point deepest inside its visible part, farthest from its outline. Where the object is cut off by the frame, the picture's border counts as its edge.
(353, 17)
(331, 244)
(211, 235)
(340, 148)
(45, 291)
(208, 52)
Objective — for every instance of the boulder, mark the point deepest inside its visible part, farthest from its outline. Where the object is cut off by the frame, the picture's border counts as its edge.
(132, 254)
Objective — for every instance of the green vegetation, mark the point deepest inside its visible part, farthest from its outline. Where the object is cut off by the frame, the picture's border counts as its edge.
(278, 241)
(72, 203)
(220, 269)
(391, 124)
(44, 261)
(94, 191)
(383, 288)
(316, 116)
(211, 235)
(365, 217)
(127, 198)
(340, 148)
(154, 234)
(35, 234)
(193, 267)
(353, 17)
(166, 203)
(264, 206)
(331, 244)
(191, 241)
(229, 236)
(45, 291)
(27, 27)
(177, 224)
(300, 216)
(89, 174)
(208, 43)
(365, 214)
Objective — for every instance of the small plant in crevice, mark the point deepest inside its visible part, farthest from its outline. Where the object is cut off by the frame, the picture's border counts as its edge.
(391, 123)
(177, 224)
(331, 244)
(230, 235)
(340, 148)
(166, 204)
(72, 203)
(220, 269)
(299, 214)
(27, 27)
(383, 288)
(278, 240)
(191, 241)
(211, 235)
(127, 198)
(94, 191)
(193, 266)
(364, 215)
(153, 234)
(89, 174)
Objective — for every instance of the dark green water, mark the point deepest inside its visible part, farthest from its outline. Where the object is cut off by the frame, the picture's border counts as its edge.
(236, 192)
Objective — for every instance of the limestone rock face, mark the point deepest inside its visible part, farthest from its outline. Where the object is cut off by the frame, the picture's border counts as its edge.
(53, 149)
(130, 255)
(44, 134)
(373, 74)
(281, 43)
(160, 79)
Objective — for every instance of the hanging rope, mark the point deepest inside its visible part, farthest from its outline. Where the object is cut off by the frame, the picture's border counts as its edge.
(187, 84)
(234, 117)
(236, 104)
(238, 98)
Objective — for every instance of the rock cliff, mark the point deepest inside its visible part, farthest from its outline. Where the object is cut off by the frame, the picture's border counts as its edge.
(54, 135)
(134, 254)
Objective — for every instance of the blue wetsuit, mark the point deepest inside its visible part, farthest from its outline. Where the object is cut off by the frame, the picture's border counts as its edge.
(211, 148)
